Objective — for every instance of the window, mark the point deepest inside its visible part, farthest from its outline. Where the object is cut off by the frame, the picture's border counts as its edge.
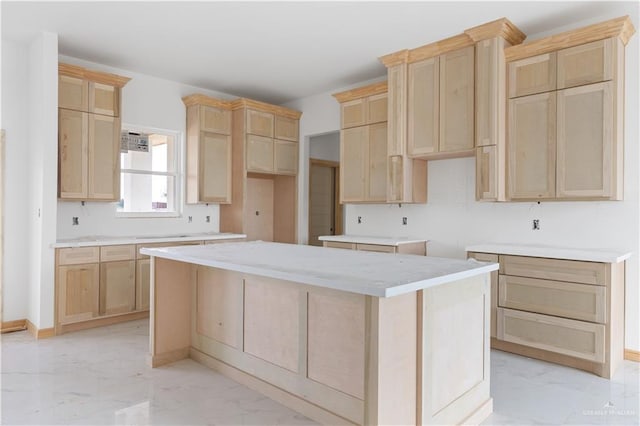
(149, 178)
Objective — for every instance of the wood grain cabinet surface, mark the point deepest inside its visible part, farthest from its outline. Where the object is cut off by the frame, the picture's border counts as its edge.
(88, 134)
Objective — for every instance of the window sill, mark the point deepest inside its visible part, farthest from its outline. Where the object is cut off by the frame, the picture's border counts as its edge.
(146, 215)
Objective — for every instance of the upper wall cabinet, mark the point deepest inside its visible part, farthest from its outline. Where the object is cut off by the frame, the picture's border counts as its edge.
(208, 149)
(363, 144)
(566, 114)
(88, 134)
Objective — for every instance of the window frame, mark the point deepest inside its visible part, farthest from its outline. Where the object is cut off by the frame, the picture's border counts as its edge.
(178, 174)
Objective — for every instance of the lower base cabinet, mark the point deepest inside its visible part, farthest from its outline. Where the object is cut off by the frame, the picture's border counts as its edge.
(418, 247)
(78, 287)
(117, 287)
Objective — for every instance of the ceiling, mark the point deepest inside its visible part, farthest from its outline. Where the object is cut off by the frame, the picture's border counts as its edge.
(272, 51)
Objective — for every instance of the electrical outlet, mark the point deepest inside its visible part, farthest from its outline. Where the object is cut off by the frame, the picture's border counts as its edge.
(359, 219)
(190, 219)
(404, 220)
(536, 224)
(75, 221)
(207, 219)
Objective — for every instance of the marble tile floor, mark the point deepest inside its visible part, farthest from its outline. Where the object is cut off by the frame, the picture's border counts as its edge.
(100, 376)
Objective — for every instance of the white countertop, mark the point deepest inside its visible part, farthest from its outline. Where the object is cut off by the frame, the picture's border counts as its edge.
(587, 255)
(111, 241)
(361, 239)
(374, 274)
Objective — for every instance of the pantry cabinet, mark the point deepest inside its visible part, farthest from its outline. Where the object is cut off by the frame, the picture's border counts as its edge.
(208, 150)
(88, 134)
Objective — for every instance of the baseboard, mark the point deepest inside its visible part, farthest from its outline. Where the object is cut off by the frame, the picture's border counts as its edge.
(15, 325)
(99, 322)
(42, 333)
(632, 355)
(480, 414)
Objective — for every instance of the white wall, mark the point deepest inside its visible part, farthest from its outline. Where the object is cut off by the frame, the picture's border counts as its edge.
(452, 219)
(150, 102)
(325, 147)
(15, 121)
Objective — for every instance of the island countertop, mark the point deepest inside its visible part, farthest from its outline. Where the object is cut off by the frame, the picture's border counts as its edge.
(374, 274)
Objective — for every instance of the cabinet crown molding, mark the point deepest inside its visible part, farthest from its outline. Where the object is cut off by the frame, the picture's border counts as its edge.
(361, 92)
(499, 28)
(396, 58)
(92, 75)
(430, 50)
(265, 107)
(198, 99)
(621, 28)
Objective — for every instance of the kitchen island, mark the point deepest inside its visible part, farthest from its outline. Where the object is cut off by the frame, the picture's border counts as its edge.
(344, 337)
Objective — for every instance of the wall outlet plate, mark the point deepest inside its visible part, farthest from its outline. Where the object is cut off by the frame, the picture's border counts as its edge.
(536, 224)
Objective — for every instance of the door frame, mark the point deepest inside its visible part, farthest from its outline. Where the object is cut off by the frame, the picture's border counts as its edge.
(337, 207)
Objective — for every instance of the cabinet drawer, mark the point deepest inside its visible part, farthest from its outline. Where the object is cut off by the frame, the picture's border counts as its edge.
(78, 255)
(562, 299)
(585, 64)
(376, 247)
(336, 244)
(114, 253)
(532, 75)
(554, 269)
(235, 240)
(166, 244)
(569, 337)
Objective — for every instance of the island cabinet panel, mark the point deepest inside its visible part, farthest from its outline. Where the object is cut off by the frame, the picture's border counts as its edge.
(272, 321)
(143, 284)
(336, 337)
(532, 75)
(455, 379)
(78, 287)
(585, 64)
(486, 257)
(117, 287)
(532, 147)
(219, 310)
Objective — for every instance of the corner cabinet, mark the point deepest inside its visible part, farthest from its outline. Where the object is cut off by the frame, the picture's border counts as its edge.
(363, 144)
(565, 115)
(208, 150)
(88, 134)
(264, 169)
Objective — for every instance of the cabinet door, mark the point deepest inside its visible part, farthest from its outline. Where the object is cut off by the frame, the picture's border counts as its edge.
(585, 64)
(377, 164)
(104, 157)
(77, 292)
(491, 83)
(104, 99)
(585, 142)
(258, 214)
(215, 120)
(397, 109)
(214, 170)
(532, 147)
(73, 93)
(286, 128)
(117, 287)
(259, 154)
(423, 112)
(353, 163)
(72, 155)
(353, 113)
(489, 173)
(260, 123)
(533, 75)
(285, 157)
(457, 94)
(143, 284)
(377, 108)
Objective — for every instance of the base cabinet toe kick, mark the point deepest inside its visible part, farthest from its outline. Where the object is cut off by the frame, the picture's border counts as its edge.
(338, 357)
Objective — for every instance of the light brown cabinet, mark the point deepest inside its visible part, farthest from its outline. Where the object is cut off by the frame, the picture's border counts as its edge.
(414, 247)
(424, 107)
(88, 134)
(577, 109)
(559, 310)
(208, 150)
(117, 287)
(363, 147)
(78, 287)
(143, 284)
(264, 172)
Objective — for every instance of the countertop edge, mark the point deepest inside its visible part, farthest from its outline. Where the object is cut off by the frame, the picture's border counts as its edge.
(585, 255)
(361, 239)
(142, 240)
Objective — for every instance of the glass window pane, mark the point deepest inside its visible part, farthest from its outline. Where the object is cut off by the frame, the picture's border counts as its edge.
(147, 193)
(159, 158)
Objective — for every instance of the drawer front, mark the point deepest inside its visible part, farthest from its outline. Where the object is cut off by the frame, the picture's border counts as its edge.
(237, 240)
(554, 269)
(568, 337)
(168, 244)
(376, 247)
(78, 255)
(116, 253)
(562, 299)
(336, 244)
